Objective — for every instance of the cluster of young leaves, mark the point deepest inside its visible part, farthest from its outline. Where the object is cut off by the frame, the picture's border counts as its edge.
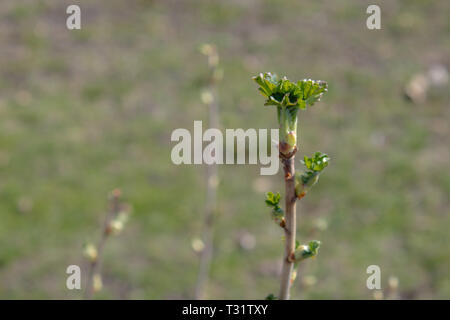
(289, 97)
(314, 167)
(282, 92)
(273, 200)
(303, 252)
(318, 162)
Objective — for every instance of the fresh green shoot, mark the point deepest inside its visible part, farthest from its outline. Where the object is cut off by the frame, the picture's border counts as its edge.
(309, 177)
(289, 97)
(273, 200)
(306, 251)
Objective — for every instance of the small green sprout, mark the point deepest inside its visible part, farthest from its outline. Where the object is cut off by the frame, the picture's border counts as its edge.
(306, 251)
(303, 252)
(273, 200)
(314, 167)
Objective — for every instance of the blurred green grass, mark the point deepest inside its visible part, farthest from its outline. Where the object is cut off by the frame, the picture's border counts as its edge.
(83, 112)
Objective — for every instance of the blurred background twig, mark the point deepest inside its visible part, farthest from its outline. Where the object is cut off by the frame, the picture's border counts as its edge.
(210, 99)
(115, 219)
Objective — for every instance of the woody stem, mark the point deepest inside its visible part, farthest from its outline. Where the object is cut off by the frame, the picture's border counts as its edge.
(290, 205)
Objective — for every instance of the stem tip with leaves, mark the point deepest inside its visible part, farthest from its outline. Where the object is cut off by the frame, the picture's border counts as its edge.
(288, 98)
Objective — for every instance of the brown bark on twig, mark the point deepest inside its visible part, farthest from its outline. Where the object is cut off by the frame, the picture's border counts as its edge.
(290, 228)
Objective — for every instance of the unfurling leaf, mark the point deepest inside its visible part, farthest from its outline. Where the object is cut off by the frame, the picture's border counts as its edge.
(309, 177)
(318, 162)
(307, 251)
(283, 93)
(273, 200)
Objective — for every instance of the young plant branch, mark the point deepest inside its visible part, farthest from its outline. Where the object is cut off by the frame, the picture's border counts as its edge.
(289, 98)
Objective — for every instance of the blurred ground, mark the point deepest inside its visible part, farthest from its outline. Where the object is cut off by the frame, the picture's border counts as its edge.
(83, 112)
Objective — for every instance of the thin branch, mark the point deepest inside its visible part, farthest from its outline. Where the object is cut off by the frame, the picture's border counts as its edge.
(290, 228)
(289, 98)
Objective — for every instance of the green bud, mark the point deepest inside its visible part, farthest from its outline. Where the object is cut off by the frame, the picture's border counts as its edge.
(307, 251)
(273, 200)
(308, 178)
